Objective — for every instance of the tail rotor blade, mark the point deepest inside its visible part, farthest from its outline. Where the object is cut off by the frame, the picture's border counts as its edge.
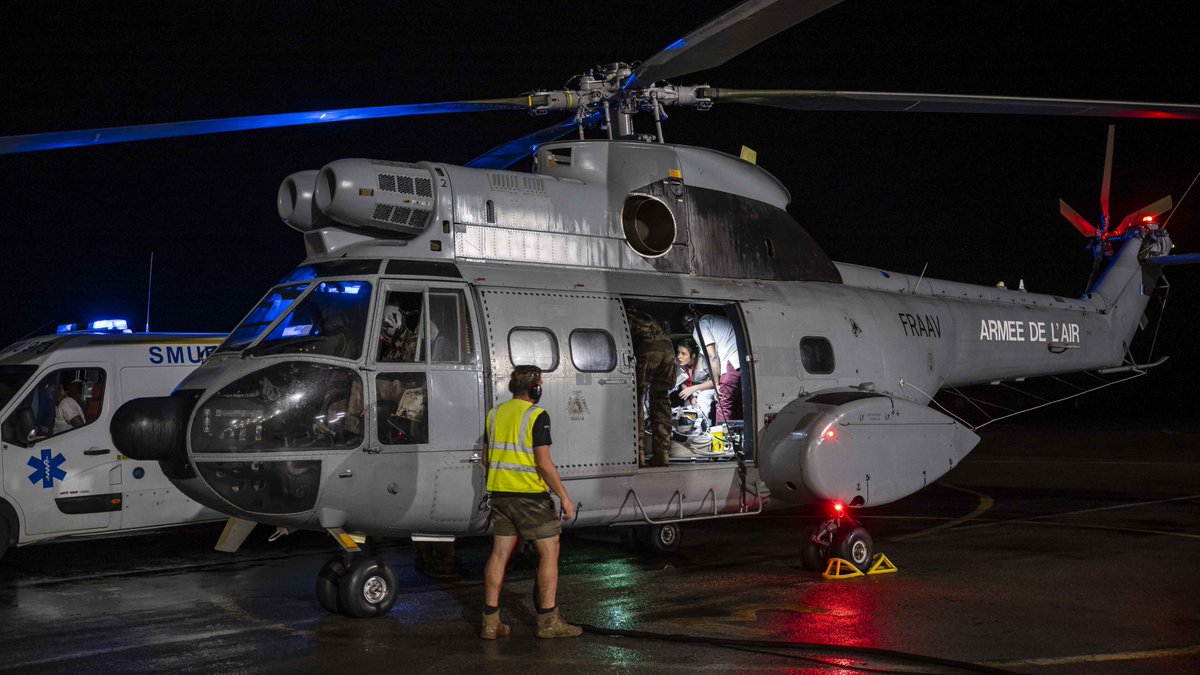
(1085, 228)
(1104, 185)
(1156, 209)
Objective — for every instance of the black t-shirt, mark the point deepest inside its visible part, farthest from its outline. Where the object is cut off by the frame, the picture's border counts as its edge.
(541, 430)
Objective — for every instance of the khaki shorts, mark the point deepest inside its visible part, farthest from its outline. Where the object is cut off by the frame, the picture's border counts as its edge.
(532, 518)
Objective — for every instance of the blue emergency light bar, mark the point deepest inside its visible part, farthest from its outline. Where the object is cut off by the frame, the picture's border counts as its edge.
(110, 324)
(66, 327)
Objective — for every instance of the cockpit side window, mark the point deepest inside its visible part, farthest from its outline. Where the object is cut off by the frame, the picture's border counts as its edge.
(449, 336)
(277, 301)
(402, 330)
(64, 400)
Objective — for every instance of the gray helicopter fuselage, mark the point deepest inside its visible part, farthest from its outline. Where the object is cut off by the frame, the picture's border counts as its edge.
(498, 268)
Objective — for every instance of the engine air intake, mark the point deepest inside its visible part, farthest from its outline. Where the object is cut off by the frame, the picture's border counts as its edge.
(648, 224)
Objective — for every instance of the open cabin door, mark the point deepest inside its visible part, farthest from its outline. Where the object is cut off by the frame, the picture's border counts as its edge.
(581, 343)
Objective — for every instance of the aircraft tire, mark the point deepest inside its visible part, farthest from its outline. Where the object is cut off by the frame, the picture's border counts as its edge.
(368, 589)
(854, 544)
(662, 539)
(327, 584)
(814, 556)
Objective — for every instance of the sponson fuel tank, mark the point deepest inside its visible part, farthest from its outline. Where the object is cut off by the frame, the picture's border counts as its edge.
(860, 448)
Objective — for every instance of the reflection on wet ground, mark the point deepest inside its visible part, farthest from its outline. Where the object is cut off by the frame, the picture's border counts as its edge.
(1067, 552)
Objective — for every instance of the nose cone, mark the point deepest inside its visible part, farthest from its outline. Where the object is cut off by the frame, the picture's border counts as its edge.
(151, 429)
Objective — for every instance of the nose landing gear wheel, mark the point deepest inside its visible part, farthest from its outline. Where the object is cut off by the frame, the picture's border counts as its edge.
(854, 544)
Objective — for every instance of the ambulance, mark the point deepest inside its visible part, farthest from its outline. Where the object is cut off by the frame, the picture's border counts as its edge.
(62, 476)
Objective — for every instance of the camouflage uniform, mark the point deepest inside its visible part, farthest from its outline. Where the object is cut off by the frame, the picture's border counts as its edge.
(655, 370)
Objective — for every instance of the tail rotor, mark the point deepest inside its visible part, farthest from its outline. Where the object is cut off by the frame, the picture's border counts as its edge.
(1102, 238)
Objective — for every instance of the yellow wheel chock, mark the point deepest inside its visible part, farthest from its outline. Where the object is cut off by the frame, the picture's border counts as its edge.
(840, 568)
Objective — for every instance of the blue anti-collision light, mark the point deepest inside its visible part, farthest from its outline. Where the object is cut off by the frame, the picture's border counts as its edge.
(109, 324)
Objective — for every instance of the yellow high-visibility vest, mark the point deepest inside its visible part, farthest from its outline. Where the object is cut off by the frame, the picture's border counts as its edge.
(511, 465)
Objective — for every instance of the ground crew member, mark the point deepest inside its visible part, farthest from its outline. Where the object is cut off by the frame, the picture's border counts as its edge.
(519, 470)
(655, 355)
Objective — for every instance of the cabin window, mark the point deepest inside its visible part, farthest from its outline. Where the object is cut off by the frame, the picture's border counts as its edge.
(593, 351)
(62, 401)
(491, 211)
(401, 409)
(817, 355)
(330, 321)
(533, 347)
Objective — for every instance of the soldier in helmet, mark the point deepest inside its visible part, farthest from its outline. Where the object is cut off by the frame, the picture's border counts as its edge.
(656, 372)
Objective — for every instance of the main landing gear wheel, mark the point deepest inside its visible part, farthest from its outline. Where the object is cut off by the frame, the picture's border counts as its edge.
(362, 588)
(814, 554)
(327, 584)
(662, 539)
(854, 544)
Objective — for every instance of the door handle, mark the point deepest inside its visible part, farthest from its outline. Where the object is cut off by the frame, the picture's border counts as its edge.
(97, 451)
(476, 458)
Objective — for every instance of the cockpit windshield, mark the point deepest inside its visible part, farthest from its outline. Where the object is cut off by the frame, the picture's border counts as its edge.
(276, 302)
(330, 321)
(11, 380)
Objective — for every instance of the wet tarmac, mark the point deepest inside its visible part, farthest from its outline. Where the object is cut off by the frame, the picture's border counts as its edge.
(1047, 551)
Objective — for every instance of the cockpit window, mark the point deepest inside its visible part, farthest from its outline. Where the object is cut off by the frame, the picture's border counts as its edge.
(11, 379)
(276, 302)
(330, 321)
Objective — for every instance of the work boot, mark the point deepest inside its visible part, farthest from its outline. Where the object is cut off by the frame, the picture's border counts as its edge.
(551, 625)
(492, 628)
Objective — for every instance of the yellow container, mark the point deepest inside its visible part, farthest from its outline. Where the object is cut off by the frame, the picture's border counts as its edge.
(718, 440)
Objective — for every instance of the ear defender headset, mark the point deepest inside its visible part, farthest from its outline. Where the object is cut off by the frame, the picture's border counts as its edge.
(535, 389)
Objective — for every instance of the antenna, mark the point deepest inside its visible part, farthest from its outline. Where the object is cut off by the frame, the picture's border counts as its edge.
(917, 288)
(149, 287)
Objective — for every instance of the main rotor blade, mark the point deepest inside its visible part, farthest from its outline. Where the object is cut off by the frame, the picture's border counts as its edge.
(726, 36)
(1107, 180)
(143, 132)
(504, 156)
(868, 101)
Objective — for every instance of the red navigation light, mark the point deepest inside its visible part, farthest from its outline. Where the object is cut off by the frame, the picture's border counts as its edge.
(1148, 219)
(830, 434)
(837, 506)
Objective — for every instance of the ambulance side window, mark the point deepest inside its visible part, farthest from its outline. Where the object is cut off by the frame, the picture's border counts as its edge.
(62, 401)
(401, 411)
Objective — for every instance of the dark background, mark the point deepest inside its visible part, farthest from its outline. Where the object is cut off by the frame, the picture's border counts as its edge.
(972, 196)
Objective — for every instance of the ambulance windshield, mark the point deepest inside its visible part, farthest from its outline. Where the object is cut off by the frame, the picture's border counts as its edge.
(276, 302)
(11, 380)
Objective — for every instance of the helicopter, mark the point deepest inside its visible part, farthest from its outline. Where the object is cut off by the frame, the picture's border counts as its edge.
(309, 417)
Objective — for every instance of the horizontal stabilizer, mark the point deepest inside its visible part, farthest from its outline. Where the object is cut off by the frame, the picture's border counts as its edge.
(1168, 260)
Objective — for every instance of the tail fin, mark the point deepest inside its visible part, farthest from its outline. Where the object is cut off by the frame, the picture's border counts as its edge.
(1124, 288)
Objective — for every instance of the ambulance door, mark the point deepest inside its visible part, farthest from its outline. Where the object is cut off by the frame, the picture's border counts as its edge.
(63, 479)
(581, 343)
(427, 391)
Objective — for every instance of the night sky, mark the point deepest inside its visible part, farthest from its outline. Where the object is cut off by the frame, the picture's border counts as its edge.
(975, 196)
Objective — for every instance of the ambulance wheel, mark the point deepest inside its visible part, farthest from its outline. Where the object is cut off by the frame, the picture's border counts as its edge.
(813, 555)
(662, 539)
(327, 584)
(854, 544)
(368, 589)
